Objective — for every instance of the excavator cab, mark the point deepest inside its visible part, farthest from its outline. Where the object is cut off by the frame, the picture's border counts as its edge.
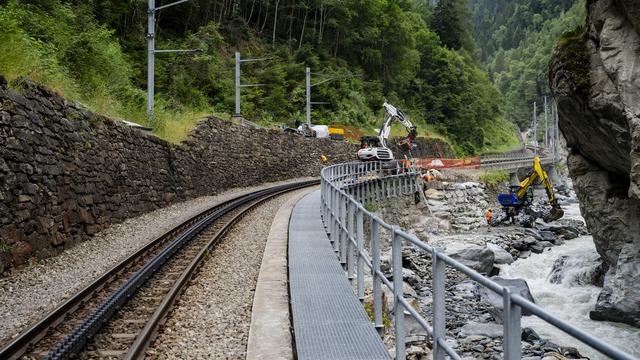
(369, 142)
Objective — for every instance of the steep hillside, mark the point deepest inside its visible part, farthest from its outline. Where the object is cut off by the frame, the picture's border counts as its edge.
(95, 52)
(515, 41)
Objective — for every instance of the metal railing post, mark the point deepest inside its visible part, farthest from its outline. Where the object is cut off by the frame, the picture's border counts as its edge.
(360, 250)
(377, 283)
(344, 244)
(511, 328)
(398, 310)
(334, 213)
(351, 252)
(342, 216)
(438, 293)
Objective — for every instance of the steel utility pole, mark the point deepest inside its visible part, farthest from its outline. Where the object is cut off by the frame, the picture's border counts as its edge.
(546, 125)
(308, 87)
(557, 130)
(535, 128)
(151, 52)
(151, 24)
(239, 84)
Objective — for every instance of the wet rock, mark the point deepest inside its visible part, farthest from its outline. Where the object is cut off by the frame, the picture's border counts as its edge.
(517, 286)
(570, 352)
(418, 353)
(478, 258)
(524, 254)
(529, 335)
(467, 289)
(549, 346)
(410, 277)
(583, 269)
(537, 248)
(483, 329)
(568, 232)
(501, 256)
(547, 236)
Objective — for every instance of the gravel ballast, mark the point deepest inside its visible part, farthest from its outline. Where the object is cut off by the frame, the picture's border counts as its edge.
(29, 293)
(213, 315)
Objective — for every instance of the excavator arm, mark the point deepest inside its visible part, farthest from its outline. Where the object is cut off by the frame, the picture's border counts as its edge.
(538, 172)
(394, 114)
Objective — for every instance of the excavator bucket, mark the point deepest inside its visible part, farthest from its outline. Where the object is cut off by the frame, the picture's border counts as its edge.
(555, 214)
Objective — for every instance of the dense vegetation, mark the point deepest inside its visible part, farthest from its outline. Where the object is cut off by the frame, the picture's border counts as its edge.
(400, 50)
(515, 42)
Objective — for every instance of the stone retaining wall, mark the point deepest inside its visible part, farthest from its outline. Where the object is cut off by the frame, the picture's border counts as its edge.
(66, 173)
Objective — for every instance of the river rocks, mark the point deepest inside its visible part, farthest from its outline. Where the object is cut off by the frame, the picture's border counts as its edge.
(529, 335)
(595, 79)
(517, 286)
(501, 255)
(620, 296)
(482, 329)
(478, 258)
(583, 269)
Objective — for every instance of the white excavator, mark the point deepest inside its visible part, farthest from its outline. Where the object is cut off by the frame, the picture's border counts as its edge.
(376, 148)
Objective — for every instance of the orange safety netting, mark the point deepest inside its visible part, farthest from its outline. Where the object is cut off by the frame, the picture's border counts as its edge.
(439, 163)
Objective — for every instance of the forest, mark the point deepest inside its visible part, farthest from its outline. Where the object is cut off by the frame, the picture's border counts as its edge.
(515, 42)
(429, 60)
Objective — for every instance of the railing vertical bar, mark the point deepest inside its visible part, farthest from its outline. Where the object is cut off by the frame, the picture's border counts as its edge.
(342, 218)
(377, 284)
(332, 212)
(398, 310)
(345, 243)
(351, 253)
(360, 242)
(438, 293)
(511, 327)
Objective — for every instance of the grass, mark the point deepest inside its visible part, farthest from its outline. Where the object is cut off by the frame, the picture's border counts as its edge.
(493, 179)
(501, 137)
(371, 206)
(386, 319)
(7, 248)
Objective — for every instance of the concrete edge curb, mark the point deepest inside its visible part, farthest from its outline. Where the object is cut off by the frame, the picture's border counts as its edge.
(270, 330)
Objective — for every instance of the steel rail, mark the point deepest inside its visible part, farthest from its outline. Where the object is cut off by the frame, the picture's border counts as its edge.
(76, 340)
(19, 345)
(148, 333)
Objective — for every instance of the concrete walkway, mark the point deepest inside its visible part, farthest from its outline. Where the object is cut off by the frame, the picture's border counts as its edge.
(328, 320)
(270, 331)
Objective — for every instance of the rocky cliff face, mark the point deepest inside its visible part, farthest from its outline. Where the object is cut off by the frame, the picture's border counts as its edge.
(595, 77)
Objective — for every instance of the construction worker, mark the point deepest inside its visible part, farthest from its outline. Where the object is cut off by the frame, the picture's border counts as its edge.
(488, 215)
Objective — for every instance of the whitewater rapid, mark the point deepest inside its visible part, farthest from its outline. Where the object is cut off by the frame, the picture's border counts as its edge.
(570, 300)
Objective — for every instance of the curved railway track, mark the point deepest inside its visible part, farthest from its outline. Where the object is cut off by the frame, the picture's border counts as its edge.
(118, 315)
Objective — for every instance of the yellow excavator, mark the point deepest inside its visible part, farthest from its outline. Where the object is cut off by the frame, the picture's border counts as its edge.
(520, 197)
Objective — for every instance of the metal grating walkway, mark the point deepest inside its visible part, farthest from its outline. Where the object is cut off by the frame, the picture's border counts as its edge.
(328, 320)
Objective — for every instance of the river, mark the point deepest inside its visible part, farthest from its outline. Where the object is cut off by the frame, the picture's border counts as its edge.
(570, 300)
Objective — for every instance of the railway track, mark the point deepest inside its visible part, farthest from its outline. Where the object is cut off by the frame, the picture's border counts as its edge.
(119, 314)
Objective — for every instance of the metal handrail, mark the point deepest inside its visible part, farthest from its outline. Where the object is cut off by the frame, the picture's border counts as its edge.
(346, 189)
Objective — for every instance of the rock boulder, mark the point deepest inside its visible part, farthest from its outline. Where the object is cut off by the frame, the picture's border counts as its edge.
(595, 78)
(517, 286)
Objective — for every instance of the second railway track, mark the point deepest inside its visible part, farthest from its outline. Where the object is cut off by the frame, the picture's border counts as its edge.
(118, 315)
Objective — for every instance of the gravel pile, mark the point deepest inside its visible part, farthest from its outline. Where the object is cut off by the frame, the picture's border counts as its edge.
(213, 316)
(29, 293)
